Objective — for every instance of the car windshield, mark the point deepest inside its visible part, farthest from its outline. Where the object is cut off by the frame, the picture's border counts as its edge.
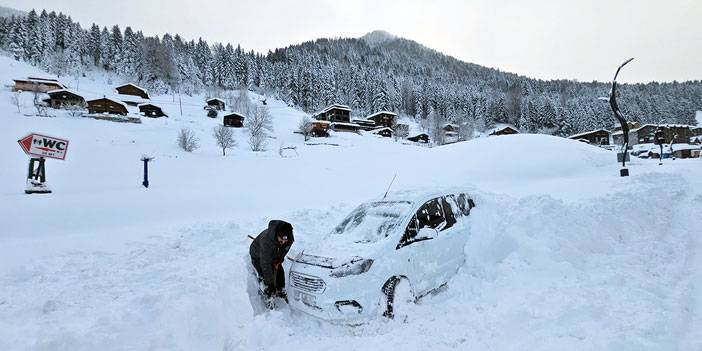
(373, 221)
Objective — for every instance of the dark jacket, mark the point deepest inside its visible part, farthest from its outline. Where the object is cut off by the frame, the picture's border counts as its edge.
(266, 251)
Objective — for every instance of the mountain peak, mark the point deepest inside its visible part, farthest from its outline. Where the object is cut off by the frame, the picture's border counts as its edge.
(378, 37)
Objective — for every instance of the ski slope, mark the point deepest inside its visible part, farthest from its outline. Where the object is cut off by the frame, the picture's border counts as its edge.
(563, 253)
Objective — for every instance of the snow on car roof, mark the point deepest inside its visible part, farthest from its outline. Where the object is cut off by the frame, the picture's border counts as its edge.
(418, 195)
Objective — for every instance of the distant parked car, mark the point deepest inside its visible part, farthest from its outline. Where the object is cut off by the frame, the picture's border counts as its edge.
(408, 237)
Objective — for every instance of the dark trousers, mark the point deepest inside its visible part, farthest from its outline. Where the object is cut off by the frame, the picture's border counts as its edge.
(279, 274)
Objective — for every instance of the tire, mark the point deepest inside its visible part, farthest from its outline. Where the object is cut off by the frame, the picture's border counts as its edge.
(398, 292)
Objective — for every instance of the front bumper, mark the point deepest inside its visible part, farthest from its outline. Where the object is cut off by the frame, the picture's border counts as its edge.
(351, 299)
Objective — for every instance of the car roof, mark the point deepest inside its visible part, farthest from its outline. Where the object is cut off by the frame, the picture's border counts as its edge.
(420, 195)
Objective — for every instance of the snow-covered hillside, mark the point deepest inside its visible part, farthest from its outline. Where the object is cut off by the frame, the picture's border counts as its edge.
(562, 254)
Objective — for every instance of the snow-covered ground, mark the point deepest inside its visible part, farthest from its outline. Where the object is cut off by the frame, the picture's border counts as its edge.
(563, 253)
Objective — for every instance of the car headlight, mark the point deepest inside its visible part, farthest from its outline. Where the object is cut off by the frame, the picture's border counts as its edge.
(356, 266)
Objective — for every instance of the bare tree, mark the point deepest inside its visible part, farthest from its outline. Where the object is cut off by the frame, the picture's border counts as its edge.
(187, 140)
(75, 109)
(15, 100)
(38, 103)
(224, 137)
(260, 124)
(436, 127)
(305, 127)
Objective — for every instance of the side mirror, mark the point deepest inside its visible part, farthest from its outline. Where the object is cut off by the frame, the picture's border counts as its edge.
(426, 233)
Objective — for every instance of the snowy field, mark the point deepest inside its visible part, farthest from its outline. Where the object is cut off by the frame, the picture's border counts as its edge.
(563, 254)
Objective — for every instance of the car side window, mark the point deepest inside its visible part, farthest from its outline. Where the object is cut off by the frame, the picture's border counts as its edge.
(433, 214)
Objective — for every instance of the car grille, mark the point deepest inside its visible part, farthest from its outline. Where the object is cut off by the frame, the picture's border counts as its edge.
(307, 283)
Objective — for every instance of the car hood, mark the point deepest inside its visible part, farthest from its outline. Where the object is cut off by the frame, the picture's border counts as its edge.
(333, 252)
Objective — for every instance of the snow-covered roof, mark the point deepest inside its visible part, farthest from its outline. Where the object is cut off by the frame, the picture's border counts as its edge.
(110, 99)
(332, 107)
(56, 91)
(576, 136)
(501, 126)
(235, 114)
(131, 98)
(378, 130)
(381, 113)
(148, 104)
(320, 122)
(215, 99)
(39, 81)
(133, 85)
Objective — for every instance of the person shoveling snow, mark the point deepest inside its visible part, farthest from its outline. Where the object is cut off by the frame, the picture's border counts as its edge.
(268, 252)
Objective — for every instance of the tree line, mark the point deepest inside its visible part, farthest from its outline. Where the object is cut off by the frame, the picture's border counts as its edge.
(396, 75)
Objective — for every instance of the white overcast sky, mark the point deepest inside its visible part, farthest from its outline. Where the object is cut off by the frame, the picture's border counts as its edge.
(583, 40)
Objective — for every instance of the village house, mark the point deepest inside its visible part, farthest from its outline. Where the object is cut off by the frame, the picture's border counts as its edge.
(383, 118)
(234, 120)
(63, 98)
(503, 129)
(334, 113)
(450, 132)
(386, 132)
(595, 137)
(41, 85)
(420, 138)
(151, 110)
(105, 105)
(133, 90)
(645, 134)
(215, 104)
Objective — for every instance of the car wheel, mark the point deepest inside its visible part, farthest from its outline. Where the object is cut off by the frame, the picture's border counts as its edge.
(398, 294)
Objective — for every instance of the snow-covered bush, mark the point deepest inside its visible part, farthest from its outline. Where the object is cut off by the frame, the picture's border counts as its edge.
(187, 140)
(305, 127)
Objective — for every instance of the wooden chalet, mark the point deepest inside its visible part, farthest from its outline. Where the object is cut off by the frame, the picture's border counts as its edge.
(645, 134)
(696, 131)
(420, 138)
(386, 132)
(234, 120)
(504, 129)
(42, 85)
(215, 104)
(334, 113)
(365, 124)
(131, 89)
(151, 110)
(383, 118)
(595, 137)
(319, 128)
(62, 98)
(345, 127)
(109, 106)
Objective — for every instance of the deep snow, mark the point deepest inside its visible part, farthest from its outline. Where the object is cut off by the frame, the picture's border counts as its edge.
(563, 253)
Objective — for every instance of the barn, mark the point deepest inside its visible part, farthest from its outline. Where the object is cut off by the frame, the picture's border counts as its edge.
(334, 113)
(594, 137)
(383, 118)
(63, 98)
(42, 85)
(132, 89)
(234, 120)
(151, 110)
(215, 104)
(105, 105)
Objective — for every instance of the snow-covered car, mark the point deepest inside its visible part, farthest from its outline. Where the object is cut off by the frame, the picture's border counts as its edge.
(413, 237)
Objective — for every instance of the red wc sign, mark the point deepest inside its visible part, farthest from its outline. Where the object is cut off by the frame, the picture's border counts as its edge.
(44, 146)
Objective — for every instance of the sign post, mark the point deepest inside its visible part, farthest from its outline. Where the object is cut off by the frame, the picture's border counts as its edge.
(39, 147)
